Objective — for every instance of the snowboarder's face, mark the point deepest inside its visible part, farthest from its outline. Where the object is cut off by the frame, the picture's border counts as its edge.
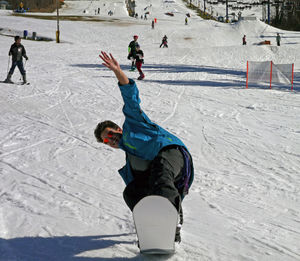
(18, 41)
(111, 137)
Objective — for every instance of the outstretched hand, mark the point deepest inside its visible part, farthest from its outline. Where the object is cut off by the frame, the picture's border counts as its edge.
(109, 61)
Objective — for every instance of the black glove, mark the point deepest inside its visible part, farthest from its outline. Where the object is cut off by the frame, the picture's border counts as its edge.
(26, 58)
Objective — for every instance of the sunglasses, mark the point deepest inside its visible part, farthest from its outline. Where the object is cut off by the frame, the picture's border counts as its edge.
(110, 134)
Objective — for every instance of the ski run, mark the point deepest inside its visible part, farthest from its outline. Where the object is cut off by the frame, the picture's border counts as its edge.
(60, 191)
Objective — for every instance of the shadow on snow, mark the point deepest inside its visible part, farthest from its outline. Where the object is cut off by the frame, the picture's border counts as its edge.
(221, 83)
(61, 248)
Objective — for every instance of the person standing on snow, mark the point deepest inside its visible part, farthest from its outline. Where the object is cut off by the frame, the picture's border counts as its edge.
(278, 38)
(244, 40)
(164, 42)
(157, 162)
(132, 51)
(139, 61)
(17, 51)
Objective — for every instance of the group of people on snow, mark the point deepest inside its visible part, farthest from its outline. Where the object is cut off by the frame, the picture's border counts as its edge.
(136, 55)
(278, 39)
(157, 162)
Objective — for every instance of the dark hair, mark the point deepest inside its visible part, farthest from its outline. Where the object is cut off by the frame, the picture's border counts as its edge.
(102, 126)
(17, 38)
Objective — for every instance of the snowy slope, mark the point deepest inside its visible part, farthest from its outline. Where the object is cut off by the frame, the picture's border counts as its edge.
(60, 193)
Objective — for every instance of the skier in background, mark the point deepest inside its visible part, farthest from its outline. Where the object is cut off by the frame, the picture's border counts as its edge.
(157, 162)
(244, 40)
(17, 51)
(139, 61)
(164, 42)
(186, 21)
(132, 52)
(278, 38)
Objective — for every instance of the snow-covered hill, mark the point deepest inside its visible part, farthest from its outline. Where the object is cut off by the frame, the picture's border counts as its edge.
(60, 193)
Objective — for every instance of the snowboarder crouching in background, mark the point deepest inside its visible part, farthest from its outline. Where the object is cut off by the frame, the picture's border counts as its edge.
(157, 162)
(17, 51)
(139, 61)
(244, 40)
(164, 42)
(132, 51)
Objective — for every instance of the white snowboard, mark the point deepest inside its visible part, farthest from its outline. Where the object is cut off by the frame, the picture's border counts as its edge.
(155, 220)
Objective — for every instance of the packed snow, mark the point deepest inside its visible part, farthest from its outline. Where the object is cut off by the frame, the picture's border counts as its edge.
(60, 192)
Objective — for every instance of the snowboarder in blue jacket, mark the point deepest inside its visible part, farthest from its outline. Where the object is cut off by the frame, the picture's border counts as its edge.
(157, 162)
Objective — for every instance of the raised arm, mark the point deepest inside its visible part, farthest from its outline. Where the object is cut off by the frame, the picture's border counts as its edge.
(111, 63)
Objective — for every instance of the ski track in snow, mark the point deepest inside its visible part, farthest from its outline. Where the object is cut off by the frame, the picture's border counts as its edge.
(60, 194)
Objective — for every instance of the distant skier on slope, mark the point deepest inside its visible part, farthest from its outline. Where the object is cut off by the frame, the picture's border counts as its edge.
(157, 162)
(17, 51)
(132, 51)
(244, 40)
(164, 42)
(278, 38)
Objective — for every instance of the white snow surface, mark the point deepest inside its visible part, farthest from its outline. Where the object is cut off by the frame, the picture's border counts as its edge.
(60, 192)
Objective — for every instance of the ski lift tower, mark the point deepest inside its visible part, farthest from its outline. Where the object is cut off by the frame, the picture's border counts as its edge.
(268, 11)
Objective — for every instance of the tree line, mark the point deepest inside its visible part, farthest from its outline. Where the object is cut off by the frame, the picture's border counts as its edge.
(287, 15)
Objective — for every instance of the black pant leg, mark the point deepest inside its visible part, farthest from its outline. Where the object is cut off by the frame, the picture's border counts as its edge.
(21, 67)
(135, 191)
(166, 169)
(12, 68)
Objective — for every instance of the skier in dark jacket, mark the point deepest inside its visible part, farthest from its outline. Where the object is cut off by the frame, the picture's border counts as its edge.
(17, 51)
(164, 42)
(278, 38)
(132, 51)
(139, 61)
(157, 162)
(244, 40)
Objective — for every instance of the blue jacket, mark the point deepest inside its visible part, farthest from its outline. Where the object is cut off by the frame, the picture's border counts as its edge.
(141, 137)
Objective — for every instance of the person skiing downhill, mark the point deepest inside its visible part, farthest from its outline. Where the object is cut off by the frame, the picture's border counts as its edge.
(157, 162)
(132, 52)
(17, 51)
(244, 40)
(164, 42)
(139, 61)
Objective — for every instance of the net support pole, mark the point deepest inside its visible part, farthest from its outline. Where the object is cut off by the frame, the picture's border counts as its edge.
(247, 75)
(271, 75)
(292, 77)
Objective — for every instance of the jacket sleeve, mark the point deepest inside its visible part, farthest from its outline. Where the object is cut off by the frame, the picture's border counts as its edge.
(126, 174)
(130, 94)
(24, 52)
(10, 51)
